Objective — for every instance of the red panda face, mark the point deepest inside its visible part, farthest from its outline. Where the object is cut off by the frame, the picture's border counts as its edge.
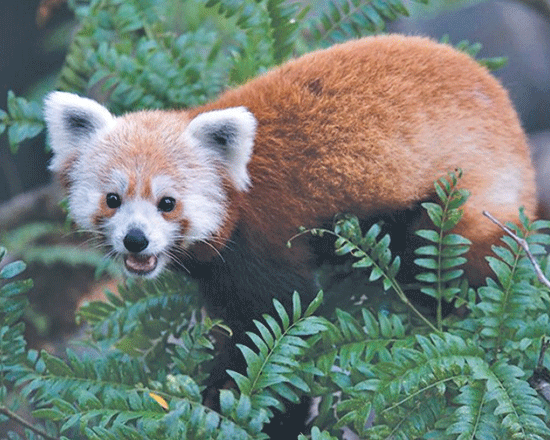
(148, 184)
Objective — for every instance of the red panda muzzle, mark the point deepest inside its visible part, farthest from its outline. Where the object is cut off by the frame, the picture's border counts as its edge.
(140, 264)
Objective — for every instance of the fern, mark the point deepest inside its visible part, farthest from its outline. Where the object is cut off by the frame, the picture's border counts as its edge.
(157, 322)
(473, 49)
(23, 120)
(280, 345)
(116, 395)
(347, 19)
(270, 28)
(445, 254)
(347, 344)
(285, 20)
(401, 386)
(372, 253)
(506, 303)
(124, 48)
(13, 347)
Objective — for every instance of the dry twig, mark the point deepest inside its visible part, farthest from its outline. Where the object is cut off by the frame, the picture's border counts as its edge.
(524, 245)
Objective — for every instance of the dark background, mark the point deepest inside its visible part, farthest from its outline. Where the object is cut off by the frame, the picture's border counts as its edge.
(25, 60)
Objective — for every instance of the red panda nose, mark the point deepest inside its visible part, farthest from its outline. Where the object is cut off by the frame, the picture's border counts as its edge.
(135, 240)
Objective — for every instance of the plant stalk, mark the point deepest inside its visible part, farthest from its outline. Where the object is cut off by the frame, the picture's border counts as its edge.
(14, 416)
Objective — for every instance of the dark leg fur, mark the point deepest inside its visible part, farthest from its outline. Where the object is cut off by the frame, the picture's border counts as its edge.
(239, 287)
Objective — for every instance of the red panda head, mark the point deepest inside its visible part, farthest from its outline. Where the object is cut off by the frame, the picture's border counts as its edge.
(149, 184)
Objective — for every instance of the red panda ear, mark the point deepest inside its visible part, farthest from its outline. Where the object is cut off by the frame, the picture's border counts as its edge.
(71, 122)
(229, 133)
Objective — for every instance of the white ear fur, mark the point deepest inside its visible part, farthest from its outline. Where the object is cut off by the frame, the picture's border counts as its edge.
(230, 133)
(71, 121)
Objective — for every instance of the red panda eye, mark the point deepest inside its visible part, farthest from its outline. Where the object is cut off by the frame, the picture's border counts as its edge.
(113, 200)
(166, 204)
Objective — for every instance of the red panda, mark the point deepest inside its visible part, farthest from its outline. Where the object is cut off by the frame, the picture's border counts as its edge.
(363, 127)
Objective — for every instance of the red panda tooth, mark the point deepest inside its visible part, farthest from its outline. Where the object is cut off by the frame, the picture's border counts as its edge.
(140, 264)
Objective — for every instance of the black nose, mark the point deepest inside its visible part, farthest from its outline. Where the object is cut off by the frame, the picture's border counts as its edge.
(135, 240)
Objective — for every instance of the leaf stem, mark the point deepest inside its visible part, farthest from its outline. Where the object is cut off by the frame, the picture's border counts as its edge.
(14, 416)
(391, 279)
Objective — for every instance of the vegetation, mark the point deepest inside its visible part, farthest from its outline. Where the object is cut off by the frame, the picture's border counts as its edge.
(382, 367)
(387, 373)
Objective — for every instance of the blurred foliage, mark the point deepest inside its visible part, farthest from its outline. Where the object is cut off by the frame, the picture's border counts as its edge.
(136, 54)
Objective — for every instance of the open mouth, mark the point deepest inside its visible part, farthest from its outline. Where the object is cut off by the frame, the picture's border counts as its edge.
(140, 264)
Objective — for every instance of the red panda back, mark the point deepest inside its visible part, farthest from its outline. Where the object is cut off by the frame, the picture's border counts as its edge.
(367, 126)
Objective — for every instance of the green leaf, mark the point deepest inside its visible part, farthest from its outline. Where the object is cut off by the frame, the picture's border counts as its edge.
(48, 413)
(296, 307)
(427, 263)
(455, 240)
(314, 305)
(227, 401)
(55, 365)
(282, 313)
(428, 234)
(429, 250)
(435, 212)
(11, 270)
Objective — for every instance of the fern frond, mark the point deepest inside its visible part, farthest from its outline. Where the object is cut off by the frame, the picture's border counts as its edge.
(518, 407)
(153, 320)
(23, 120)
(346, 19)
(12, 307)
(115, 395)
(349, 344)
(506, 302)
(139, 63)
(472, 418)
(445, 253)
(372, 253)
(14, 362)
(285, 21)
(406, 383)
(274, 371)
(270, 33)
(473, 49)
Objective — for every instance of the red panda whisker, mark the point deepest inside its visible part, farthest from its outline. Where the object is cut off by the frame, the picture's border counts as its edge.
(174, 259)
(214, 248)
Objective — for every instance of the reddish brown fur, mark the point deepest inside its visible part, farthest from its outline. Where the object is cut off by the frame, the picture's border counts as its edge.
(366, 127)
(141, 157)
(363, 127)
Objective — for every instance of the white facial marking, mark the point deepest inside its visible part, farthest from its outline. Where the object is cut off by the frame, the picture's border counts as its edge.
(83, 135)
(163, 186)
(118, 182)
